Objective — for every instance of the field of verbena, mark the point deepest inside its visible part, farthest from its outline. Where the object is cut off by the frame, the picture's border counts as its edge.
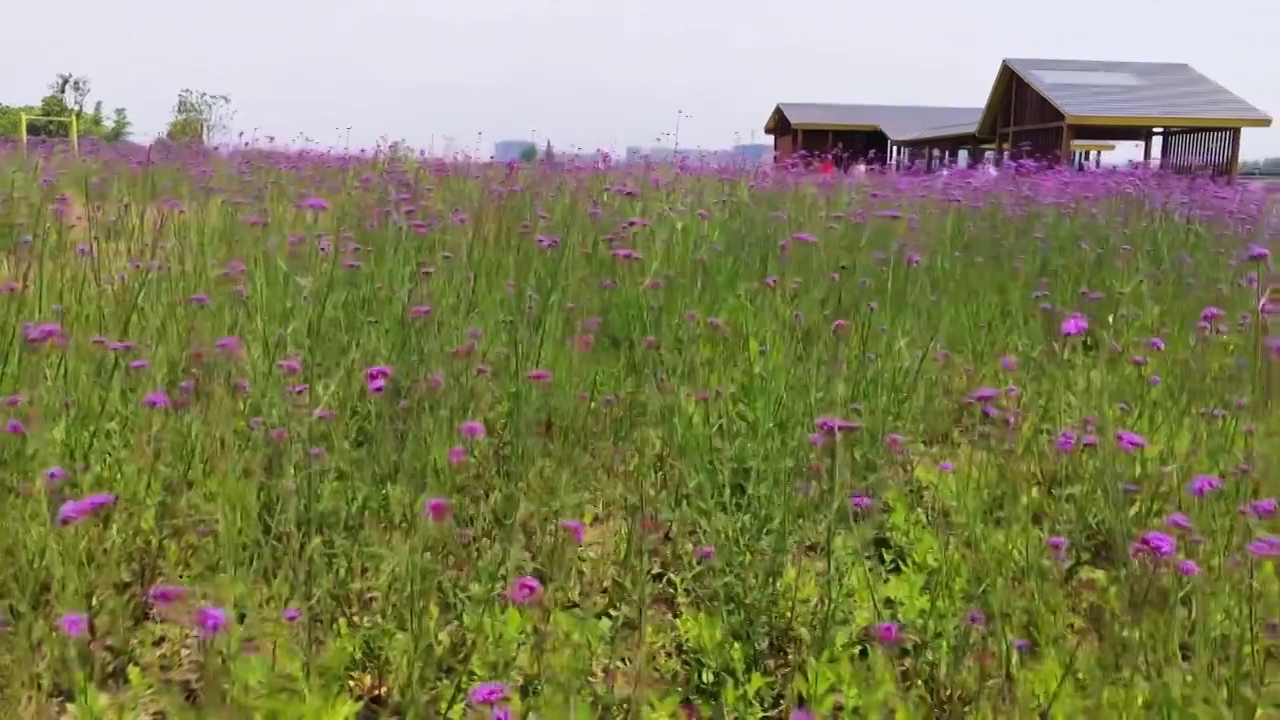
(296, 436)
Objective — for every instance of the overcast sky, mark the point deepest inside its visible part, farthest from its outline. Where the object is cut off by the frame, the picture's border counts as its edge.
(593, 73)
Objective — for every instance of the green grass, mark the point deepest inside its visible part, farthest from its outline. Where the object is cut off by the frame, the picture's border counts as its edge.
(722, 564)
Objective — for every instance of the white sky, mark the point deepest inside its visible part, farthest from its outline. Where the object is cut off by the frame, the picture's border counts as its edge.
(599, 74)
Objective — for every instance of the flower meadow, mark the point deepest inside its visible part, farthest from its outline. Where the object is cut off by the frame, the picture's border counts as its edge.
(300, 435)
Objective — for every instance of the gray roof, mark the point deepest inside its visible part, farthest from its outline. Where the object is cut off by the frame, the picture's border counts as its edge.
(945, 131)
(896, 121)
(1132, 89)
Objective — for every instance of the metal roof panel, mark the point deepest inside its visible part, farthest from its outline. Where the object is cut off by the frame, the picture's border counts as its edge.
(1098, 88)
(896, 121)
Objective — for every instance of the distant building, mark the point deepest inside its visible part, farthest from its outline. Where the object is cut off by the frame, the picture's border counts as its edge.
(583, 158)
(752, 154)
(509, 150)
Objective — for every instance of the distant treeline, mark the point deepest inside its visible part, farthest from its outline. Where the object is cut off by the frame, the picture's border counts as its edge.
(197, 116)
(1269, 166)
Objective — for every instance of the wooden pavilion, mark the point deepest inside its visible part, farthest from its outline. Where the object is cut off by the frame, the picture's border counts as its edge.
(1038, 108)
(854, 133)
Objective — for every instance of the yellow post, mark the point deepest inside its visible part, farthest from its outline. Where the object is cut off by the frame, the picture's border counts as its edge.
(73, 130)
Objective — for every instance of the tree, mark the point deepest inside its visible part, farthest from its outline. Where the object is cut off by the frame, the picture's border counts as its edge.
(200, 117)
(529, 154)
(68, 97)
(548, 155)
(121, 126)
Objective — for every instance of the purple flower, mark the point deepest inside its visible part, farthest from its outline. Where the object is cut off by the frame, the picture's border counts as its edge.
(1178, 521)
(229, 345)
(156, 400)
(1202, 485)
(1066, 441)
(525, 590)
(291, 615)
(1260, 509)
(1188, 568)
(887, 633)
(576, 530)
(437, 509)
(538, 376)
(860, 502)
(457, 455)
(14, 426)
(376, 378)
(166, 594)
(894, 443)
(487, 693)
(984, 394)
(800, 713)
(1058, 545)
(54, 475)
(704, 553)
(211, 620)
(1267, 546)
(289, 365)
(37, 333)
(73, 511)
(1130, 441)
(472, 430)
(1154, 543)
(314, 203)
(1211, 313)
(74, 625)
(830, 425)
(1074, 324)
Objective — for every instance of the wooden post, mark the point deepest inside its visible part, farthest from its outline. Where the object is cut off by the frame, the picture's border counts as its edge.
(1065, 150)
(1146, 146)
(1233, 159)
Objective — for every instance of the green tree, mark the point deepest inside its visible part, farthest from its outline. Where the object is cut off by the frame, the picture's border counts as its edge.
(200, 117)
(529, 154)
(67, 97)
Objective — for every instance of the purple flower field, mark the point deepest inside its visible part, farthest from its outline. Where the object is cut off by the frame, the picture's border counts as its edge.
(309, 436)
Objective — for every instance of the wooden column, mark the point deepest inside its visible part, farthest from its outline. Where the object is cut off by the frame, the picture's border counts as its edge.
(1146, 147)
(1065, 151)
(1233, 160)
